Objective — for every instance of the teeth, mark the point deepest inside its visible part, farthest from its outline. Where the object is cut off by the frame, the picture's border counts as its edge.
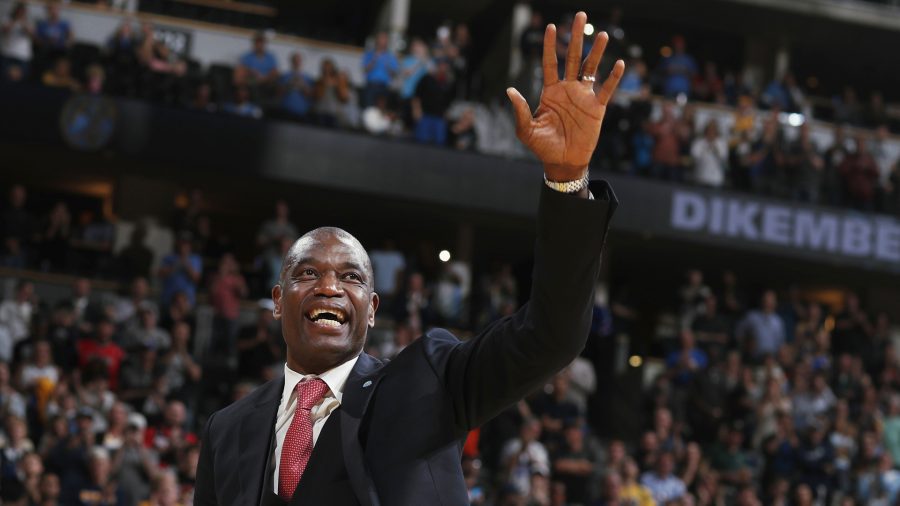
(328, 323)
(337, 312)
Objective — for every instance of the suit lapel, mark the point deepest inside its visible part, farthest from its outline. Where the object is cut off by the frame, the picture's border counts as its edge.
(360, 386)
(255, 441)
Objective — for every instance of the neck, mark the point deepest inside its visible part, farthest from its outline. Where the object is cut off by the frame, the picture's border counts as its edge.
(318, 367)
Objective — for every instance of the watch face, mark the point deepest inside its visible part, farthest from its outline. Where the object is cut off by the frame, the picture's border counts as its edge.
(87, 123)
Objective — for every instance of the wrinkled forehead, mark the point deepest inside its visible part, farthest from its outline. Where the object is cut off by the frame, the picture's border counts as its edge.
(328, 248)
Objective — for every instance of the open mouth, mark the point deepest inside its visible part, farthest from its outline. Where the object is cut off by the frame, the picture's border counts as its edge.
(327, 317)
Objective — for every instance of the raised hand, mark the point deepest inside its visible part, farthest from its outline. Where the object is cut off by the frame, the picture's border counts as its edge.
(564, 130)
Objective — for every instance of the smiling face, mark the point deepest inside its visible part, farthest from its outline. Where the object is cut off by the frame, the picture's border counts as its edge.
(325, 300)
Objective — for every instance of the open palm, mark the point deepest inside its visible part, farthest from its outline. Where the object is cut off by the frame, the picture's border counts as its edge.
(564, 130)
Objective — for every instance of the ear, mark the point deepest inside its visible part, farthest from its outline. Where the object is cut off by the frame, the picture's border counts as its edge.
(373, 306)
(276, 298)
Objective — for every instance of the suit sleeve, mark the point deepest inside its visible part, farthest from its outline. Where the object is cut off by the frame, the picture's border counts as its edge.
(205, 486)
(519, 353)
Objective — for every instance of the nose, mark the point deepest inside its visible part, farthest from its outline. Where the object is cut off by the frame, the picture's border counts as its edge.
(329, 286)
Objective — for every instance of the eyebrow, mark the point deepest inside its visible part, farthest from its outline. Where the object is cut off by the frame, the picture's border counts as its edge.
(346, 265)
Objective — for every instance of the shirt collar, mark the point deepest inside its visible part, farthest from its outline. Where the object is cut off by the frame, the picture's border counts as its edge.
(335, 378)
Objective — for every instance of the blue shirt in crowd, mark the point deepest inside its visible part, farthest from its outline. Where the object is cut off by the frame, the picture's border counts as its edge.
(179, 280)
(411, 81)
(264, 63)
(384, 68)
(54, 34)
(294, 100)
(767, 329)
(678, 70)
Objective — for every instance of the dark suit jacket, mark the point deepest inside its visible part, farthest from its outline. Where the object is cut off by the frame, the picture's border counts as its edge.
(402, 423)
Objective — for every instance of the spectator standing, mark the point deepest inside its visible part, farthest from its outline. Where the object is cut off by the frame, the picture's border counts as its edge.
(259, 343)
(762, 330)
(226, 291)
(692, 297)
(804, 166)
(413, 68)
(257, 68)
(687, 362)
(432, 99)
(860, 174)
(16, 34)
(297, 89)
(852, 328)
(332, 94)
(136, 259)
(709, 87)
(884, 160)
(710, 154)
(678, 70)
(55, 238)
(180, 271)
(122, 51)
(379, 65)
(667, 143)
(833, 187)
(388, 264)
(53, 35)
(15, 319)
(181, 370)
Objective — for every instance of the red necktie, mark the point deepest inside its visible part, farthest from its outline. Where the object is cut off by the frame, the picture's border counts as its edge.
(298, 442)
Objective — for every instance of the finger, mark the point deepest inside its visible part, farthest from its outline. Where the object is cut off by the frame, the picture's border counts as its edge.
(573, 57)
(593, 60)
(520, 109)
(609, 86)
(551, 71)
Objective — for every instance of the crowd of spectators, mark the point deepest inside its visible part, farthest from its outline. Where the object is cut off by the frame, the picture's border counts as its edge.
(427, 95)
(789, 401)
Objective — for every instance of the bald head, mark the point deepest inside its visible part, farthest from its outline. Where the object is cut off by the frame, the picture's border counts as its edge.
(325, 300)
(320, 235)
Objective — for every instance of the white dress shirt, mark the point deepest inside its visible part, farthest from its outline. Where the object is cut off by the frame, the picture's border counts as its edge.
(335, 379)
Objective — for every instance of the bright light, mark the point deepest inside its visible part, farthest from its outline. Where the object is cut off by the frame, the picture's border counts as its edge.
(635, 361)
(589, 29)
(795, 119)
(444, 255)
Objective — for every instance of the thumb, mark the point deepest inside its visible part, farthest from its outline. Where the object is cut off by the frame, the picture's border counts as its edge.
(520, 109)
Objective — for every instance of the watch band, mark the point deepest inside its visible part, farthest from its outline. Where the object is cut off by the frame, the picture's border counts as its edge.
(567, 186)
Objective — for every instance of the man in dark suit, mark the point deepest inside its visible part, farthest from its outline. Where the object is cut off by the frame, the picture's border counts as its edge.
(343, 428)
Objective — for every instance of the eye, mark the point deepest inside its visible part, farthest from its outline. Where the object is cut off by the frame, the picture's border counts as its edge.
(307, 273)
(352, 276)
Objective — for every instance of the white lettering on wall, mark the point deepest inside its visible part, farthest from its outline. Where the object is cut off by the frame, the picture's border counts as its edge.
(782, 225)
